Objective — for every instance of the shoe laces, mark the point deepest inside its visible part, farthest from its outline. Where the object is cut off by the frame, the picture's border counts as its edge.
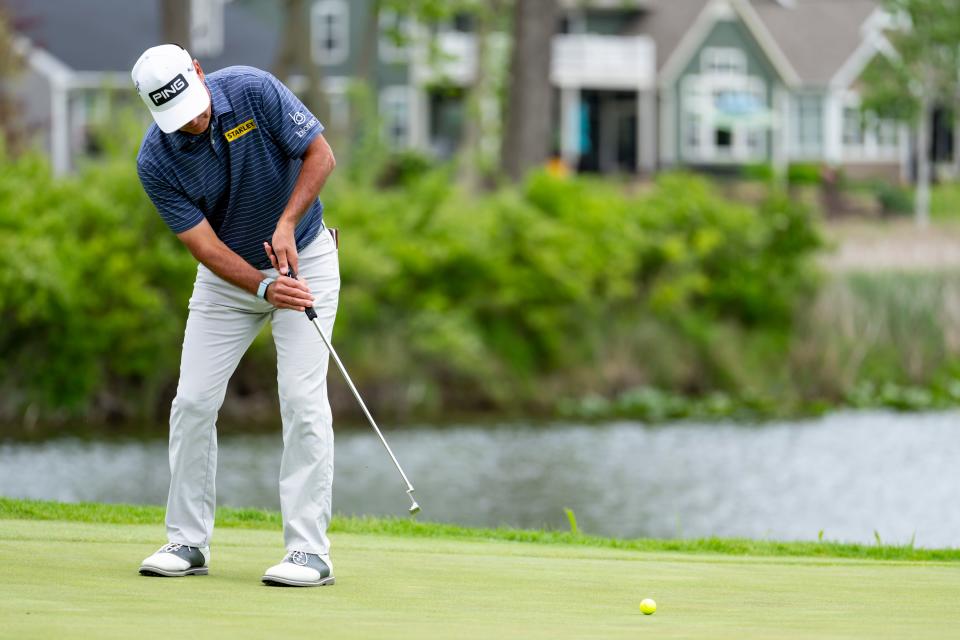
(298, 558)
(170, 547)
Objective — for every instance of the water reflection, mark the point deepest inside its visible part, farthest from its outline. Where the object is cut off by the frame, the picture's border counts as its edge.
(848, 474)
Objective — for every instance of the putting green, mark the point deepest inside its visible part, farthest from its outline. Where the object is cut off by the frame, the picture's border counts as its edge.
(79, 580)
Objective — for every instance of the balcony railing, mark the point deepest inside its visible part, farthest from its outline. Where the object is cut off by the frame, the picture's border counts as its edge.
(583, 60)
(603, 62)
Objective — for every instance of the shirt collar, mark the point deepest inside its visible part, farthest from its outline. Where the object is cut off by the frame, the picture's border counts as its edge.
(221, 107)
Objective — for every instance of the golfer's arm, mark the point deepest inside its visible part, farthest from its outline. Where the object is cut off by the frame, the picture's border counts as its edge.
(206, 247)
(318, 164)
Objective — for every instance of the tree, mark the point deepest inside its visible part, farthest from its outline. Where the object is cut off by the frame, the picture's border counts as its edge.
(530, 95)
(175, 22)
(11, 133)
(295, 55)
(921, 73)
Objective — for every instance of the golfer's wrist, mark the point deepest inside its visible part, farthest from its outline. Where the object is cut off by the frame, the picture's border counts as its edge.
(263, 288)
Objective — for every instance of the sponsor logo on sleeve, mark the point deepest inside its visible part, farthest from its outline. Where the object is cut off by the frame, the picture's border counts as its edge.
(240, 130)
(169, 91)
(300, 118)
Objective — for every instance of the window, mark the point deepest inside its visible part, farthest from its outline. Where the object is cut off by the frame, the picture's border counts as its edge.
(462, 22)
(206, 27)
(725, 61)
(808, 123)
(887, 133)
(852, 126)
(394, 36)
(329, 32)
(723, 138)
(395, 112)
(755, 141)
(692, 131)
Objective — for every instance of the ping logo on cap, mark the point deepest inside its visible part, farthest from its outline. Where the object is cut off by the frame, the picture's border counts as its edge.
(169, 91)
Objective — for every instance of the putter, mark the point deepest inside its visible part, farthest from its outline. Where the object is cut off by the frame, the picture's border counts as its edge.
(312, 316)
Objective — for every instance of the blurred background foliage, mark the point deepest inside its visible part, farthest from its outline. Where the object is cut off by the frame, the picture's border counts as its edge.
(571, 294)
(452, 300)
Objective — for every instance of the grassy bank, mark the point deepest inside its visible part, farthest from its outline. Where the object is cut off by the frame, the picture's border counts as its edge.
(78, 579)
(231, 518)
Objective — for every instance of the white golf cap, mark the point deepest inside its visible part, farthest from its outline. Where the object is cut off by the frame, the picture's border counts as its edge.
(170, 87)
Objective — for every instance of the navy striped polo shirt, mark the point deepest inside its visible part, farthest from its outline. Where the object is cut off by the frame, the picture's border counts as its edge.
(239, 174)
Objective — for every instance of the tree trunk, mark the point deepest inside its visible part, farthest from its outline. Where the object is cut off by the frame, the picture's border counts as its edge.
(471, 150)
(295, 57)
(175, 18)
(529, 118)
(371, 44)
(922, 202)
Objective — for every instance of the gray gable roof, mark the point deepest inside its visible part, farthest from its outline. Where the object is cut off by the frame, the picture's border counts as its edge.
(666, 22)
(817, 36)
(109, 35)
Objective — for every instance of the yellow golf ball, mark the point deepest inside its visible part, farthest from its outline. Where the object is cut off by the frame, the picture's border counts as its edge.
(648, 606)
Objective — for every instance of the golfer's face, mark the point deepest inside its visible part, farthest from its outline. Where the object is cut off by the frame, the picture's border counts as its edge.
(202, 121)
(198, 124)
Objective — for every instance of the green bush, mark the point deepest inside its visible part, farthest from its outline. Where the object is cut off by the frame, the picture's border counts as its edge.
(893, 199)
(91, 287)
(450, 301)
(758, 172)
(803, 174)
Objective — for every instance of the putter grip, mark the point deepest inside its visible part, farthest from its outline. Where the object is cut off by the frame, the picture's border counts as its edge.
(311, 314)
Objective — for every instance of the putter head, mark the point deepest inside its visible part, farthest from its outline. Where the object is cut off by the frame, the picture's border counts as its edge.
(414, 507)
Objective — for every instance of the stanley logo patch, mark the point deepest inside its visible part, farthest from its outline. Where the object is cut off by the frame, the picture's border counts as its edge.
(241, 129)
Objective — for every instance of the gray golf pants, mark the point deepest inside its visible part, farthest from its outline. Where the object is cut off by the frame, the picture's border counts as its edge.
(222, 322)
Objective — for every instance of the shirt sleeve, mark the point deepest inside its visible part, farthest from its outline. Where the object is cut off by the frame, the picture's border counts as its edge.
(176, 209)
(288, 121)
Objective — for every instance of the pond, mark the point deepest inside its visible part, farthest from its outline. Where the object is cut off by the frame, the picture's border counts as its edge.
(849, 474)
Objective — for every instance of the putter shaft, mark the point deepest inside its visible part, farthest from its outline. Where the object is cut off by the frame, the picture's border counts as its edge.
(414, 507)
(312, 316)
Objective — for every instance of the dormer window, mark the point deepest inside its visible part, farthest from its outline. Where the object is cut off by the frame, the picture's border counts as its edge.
(330, 32)
(206, 27)
(723, 61)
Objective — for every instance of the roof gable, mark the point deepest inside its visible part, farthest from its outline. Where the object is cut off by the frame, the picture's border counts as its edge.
(817, 36)
(711, 13)
(109, 35)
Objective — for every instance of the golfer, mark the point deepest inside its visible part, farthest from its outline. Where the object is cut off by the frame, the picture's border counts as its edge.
(234, 161)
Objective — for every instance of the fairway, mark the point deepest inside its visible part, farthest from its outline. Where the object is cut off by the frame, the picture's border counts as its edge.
(79, 580)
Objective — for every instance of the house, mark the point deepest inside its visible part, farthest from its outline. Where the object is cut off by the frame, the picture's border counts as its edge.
(772, 81)
(78, 57)
(641, 85)
(644, 85)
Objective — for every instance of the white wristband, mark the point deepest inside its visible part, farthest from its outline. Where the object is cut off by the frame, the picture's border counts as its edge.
(262, 289)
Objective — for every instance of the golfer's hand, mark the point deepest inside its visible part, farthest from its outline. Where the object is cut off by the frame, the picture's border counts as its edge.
(285, 248)
(285, 292)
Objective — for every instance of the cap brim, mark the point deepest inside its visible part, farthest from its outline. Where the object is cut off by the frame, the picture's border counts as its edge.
(194, 102)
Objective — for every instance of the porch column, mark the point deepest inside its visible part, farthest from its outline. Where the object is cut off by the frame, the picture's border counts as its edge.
(647, 131)
(570, 126)
(781, 132)
(833, 127)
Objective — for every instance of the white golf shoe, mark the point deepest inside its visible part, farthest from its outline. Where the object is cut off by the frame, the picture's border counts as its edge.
(175, 560)
(300, 569)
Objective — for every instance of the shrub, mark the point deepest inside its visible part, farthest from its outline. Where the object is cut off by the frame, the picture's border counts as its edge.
(893, 199)
(758, 172)
(450, 301)
(803, 174)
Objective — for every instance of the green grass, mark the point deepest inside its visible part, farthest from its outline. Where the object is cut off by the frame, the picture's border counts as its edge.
(945, 201)
(231, 518)
(70, 579)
